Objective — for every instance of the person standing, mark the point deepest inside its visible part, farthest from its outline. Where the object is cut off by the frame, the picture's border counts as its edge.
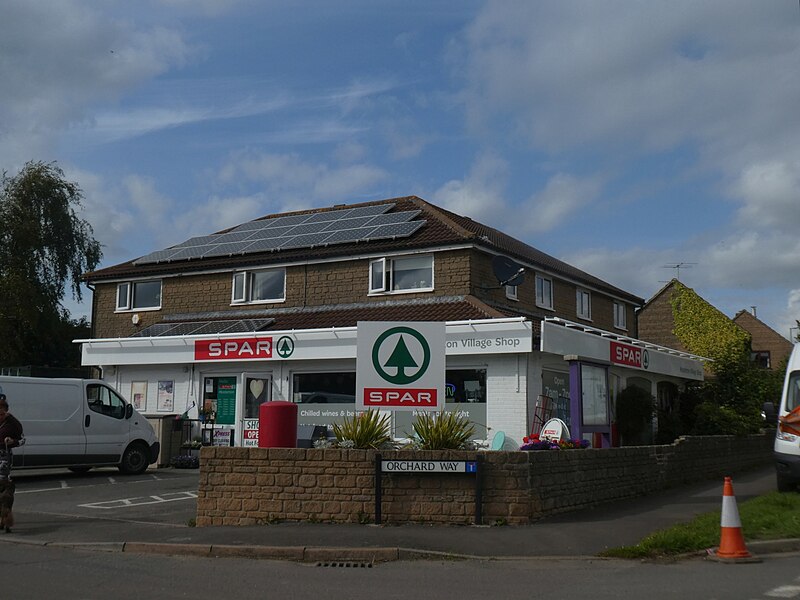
(10, 437)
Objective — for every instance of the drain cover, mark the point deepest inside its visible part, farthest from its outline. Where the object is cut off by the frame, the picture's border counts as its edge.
(347, 564)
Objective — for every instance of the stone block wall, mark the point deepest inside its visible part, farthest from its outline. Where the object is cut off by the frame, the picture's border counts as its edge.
(247, 486)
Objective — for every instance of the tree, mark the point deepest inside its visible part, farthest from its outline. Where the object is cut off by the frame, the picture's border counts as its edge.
(44, 249)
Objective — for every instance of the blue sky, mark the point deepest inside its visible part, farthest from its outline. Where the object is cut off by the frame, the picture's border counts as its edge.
(619, 136)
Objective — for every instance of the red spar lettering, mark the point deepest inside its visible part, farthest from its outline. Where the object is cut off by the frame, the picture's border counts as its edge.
(243, 348)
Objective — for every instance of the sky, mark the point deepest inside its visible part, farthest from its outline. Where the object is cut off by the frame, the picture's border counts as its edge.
(623, 137)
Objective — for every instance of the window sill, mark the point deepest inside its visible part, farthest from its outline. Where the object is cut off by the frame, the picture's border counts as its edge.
(135, 310)
(397, 292)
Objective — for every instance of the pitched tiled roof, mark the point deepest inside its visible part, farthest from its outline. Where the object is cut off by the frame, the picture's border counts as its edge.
(441, 308)
(442, 228)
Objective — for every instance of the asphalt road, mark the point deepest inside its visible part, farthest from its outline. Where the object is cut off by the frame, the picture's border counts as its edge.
(165, 497)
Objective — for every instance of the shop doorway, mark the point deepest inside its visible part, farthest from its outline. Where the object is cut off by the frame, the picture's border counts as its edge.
(256, 389)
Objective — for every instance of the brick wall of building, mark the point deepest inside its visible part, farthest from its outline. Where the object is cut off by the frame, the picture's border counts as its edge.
(320, 284)
(246, 486)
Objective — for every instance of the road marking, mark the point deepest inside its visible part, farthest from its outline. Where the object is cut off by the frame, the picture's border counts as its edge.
(141, 501)
(784, 591)
(112, 480)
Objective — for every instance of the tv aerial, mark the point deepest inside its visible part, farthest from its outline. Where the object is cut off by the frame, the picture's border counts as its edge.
(678, 267)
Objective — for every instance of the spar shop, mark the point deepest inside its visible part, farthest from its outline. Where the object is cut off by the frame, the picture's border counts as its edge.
(505, 374)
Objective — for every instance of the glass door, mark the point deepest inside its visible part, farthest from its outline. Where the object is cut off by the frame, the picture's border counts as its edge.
(257, 389)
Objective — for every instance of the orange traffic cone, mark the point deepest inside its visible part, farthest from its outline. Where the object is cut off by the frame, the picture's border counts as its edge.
(731, 543)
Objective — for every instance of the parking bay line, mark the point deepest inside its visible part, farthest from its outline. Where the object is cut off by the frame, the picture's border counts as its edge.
(141, 501)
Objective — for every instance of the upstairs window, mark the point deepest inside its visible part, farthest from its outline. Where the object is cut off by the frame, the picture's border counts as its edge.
(511, 292)
(267, 285)
(138, 295)
(620, 316)
(544, 292)
(401, 274)
(584, 304)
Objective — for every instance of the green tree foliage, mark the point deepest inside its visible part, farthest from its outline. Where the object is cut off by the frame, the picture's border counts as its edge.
(44, 249)
(730, 400)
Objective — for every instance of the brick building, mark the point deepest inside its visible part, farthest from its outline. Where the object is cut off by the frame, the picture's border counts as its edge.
(768, 348)
(268, 310)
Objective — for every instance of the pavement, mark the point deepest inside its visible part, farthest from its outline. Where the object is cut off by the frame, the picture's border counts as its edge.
(577, 535)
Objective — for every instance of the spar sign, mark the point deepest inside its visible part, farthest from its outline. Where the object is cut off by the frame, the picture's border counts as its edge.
(233, 348)
(400, 366)
(630, 356)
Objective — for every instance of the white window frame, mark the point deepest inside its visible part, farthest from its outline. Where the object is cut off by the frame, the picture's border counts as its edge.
(126, 292)
(386, 266)
(620, 315)
(512, 292)
(541, 301)
(583, 304)
(245, 281)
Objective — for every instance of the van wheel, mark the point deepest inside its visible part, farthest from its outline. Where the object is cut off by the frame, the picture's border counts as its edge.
(135, 460)
(79, 469)
(785, 484)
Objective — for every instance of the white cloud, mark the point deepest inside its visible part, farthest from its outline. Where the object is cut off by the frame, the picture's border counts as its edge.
(561, 198)
(81, 58)
(291, 181)
(480, 194)
(771, 196)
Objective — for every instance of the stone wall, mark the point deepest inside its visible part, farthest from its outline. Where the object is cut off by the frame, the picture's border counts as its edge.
(246, 486)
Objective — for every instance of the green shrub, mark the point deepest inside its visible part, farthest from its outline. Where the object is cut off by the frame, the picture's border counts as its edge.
(365, 430)
(712, 419)
(635, 408)
(442, 431)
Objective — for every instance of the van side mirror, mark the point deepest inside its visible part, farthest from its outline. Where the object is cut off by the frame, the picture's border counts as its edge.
(128, 411)
(770, 413)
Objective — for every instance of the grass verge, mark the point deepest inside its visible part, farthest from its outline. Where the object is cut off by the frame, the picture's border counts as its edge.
(769, 517)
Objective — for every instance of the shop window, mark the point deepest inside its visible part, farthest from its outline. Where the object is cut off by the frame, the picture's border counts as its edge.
(544, 292)
(620, 316)
(268, 285)
(594, 390)
(410, 273)
(139, 295)
(584, 304)
(324, 388)
(465, 385)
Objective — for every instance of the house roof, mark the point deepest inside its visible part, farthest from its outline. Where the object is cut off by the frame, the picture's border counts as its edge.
(441, 308)
(442, 228)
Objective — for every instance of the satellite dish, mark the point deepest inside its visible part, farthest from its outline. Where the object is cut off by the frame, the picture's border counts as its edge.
(507, 271)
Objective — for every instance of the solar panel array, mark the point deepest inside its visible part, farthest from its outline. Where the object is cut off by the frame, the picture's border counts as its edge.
(204, 327)
(360, 224)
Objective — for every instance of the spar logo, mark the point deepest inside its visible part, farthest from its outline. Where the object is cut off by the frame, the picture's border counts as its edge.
(400, 356)
(630, 356)
(233, 349)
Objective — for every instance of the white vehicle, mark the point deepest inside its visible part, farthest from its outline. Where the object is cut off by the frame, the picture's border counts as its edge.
(78, 424)
(787, 438)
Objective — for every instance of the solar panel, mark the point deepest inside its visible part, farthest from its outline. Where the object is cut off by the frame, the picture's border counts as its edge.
(390, 218)
(154, 257)
(328, 215)
(296, 231)
(307, 228)
(225, 249)
(264, 245)
(306, 241)
(196, 241)
(204, 327)
(365, 211)
(234, 236)
(189, 252)
(272, 232)
(346, 235)
(348, 223)
(394, 230)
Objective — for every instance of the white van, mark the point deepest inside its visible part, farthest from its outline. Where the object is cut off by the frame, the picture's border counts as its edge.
(78, 424)
(787, 439)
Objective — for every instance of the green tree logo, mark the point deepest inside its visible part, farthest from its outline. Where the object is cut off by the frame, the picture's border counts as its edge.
(285, 346)
(401, 360)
